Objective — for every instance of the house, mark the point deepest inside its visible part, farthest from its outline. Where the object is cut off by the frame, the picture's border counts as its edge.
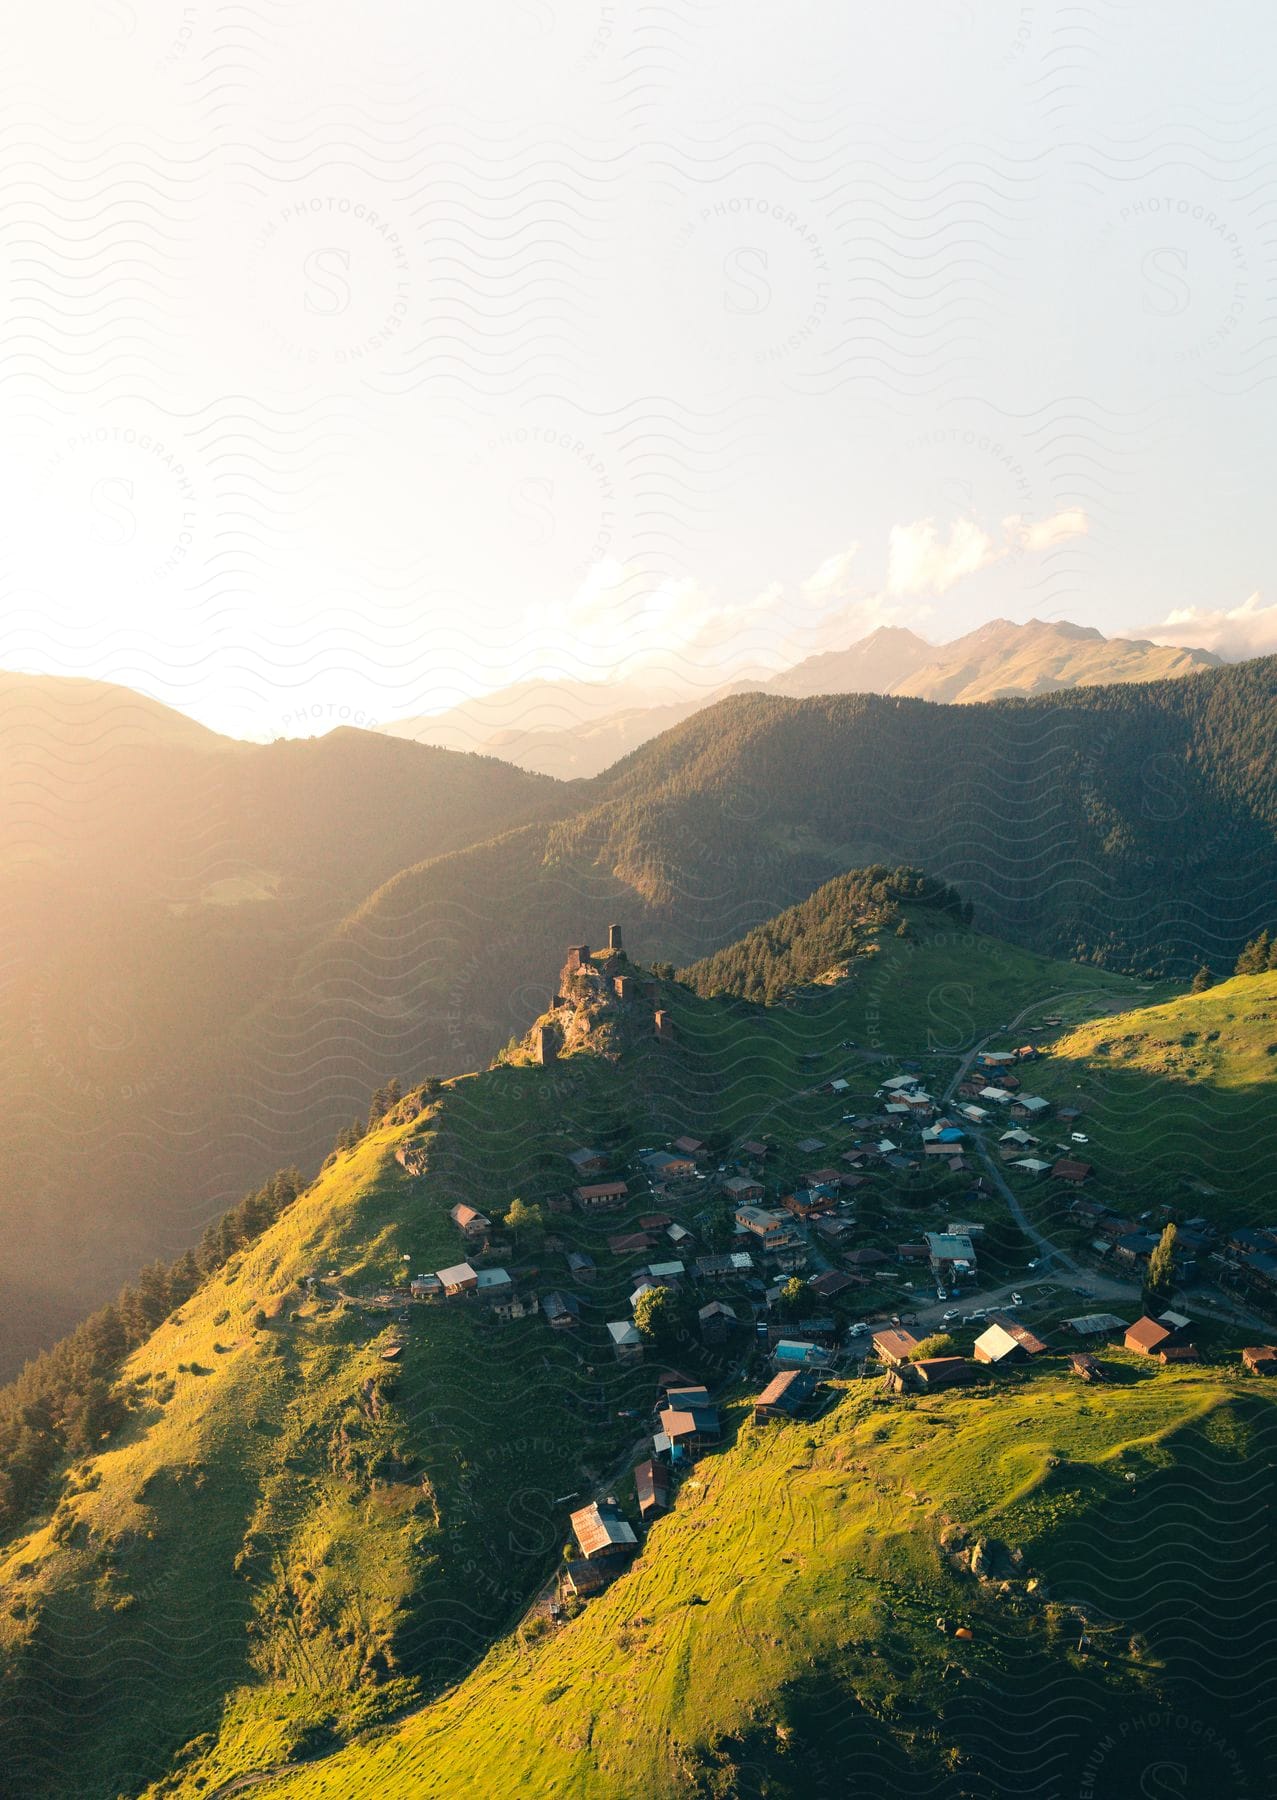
(1032, 1165)
(689, 1424)
(1029, 1341)
(631, 1243)
(666, 1274)
(1135, 1246)
(1096, 1325)
(834, 1229)
(1147, 1336)
(586, 1578)
(1084, 1364)
(788, 1258)
(754, 1148)
(837, 1086)
(563, 1311)
(663, 1165)
(656, 1221)
(808, 1146)
(950, 1251)
(459, 1279)
(868, 1258)
(822, 1178)
(601, 1195)
(1260, 1359)
(1178, 1353)
(911, 1253)
(514, 1306)
(426, 1287)
(942, 1371)
(1031, 1107)
(893, 1347)
(588, 1162)
(821, 1329)
(740, 1189)
(678, 1235)
(493, 1285)
(798, 1353)
(768, 1227)
(1068, 1168)
(708, 1267)
(829, 1285)
(1005, 1341)
(690, 1146)
(581, 1265)
(652, 1489)
(471, 1223)
(603, 1533)
(717, 1321)
(1014, 1143)
(783, 1395)
(803, 1204)
(627, 1341)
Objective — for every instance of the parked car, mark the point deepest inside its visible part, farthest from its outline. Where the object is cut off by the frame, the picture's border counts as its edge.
(1017, 1299)
(858, 1329)
(951, 1315)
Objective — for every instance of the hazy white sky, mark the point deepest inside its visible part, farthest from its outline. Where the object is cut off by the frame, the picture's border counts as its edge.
(357, 359)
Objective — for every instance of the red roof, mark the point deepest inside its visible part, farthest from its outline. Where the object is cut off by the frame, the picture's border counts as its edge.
(1146, 1334)
(603, 1190)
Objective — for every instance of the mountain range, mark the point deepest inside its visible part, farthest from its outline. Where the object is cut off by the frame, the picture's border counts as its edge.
(216, 951)
(576, 728)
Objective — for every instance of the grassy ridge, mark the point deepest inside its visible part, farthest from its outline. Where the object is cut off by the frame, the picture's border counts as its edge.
(1178, 1100)
(779, 1634)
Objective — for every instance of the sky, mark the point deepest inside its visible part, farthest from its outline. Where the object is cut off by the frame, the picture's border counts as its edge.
(360, 360)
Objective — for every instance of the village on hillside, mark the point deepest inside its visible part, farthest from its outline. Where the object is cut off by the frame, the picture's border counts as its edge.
(881, 1251)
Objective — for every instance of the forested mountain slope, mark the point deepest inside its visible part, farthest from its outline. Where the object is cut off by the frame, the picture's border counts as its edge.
(158, 885)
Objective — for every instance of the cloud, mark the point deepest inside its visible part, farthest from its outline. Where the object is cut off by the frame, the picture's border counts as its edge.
(620, 622)
(1045, 534)
(920, 562)
(1231, 632)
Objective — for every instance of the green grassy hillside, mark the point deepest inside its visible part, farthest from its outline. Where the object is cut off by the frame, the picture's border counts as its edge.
(289, 1536)
(1178, 1100)
(789, 1628)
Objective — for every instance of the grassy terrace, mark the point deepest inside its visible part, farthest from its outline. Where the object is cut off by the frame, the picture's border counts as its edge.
(779, 1633)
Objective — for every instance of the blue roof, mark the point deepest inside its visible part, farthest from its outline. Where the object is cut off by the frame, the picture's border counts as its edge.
(949, 1135)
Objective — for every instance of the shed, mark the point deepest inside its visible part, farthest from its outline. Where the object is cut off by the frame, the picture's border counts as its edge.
(602, 1531)
(627, 1340)
(459, 1279)
(784, 1394)
(652, 1488)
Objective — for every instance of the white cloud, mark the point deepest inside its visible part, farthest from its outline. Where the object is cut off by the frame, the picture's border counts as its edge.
(1231, 632)
(1045, 534)
(920, 562)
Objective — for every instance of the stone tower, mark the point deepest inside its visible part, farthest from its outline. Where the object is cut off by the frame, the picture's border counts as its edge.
(614, 937)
